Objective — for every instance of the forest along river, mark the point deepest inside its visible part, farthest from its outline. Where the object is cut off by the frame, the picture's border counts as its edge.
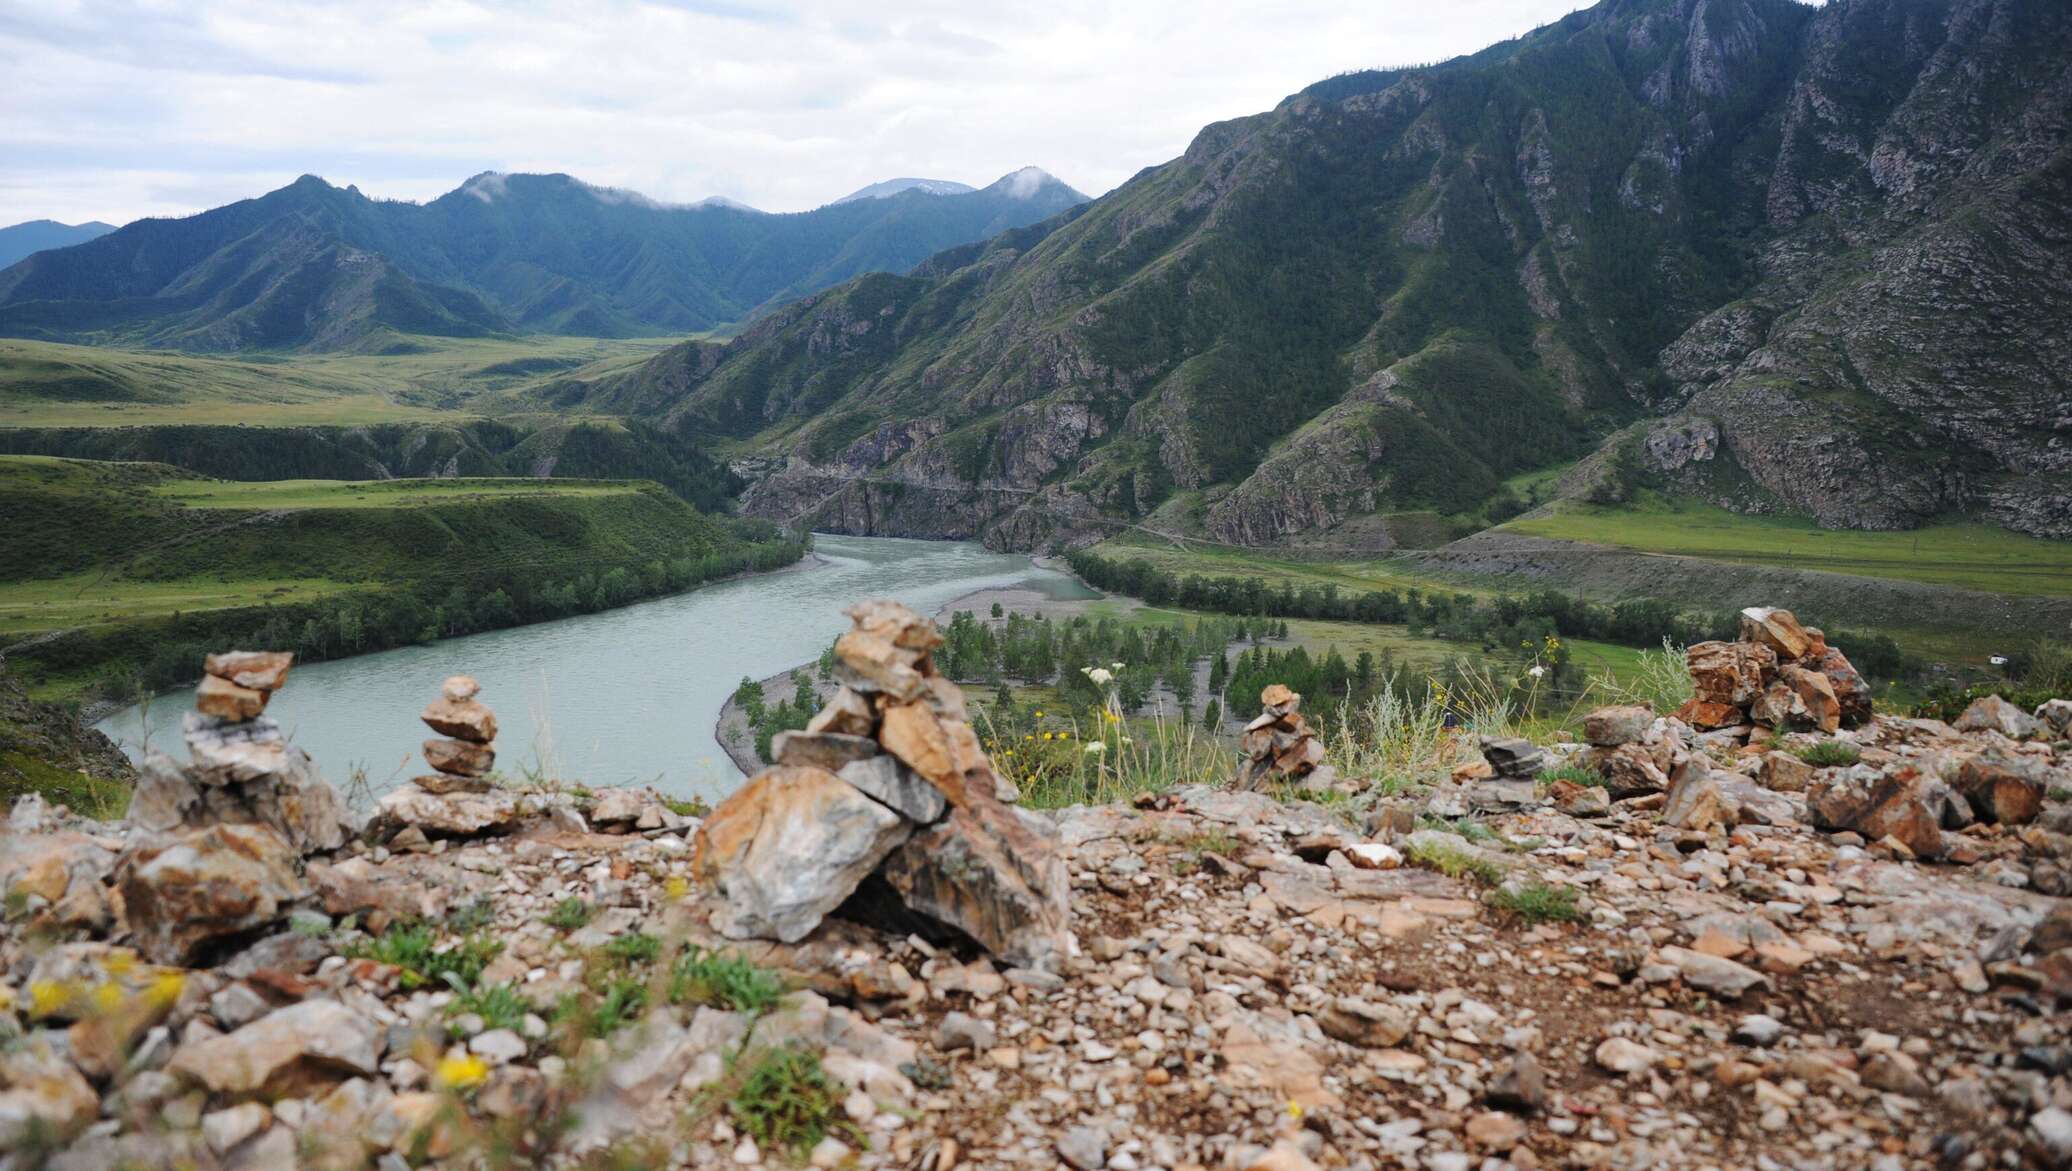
(628, 696)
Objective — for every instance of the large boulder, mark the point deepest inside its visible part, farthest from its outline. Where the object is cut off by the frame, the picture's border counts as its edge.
(189, 890)
(1731, 673)
(1609, 727)
(289, 1052)
(1848, 685)
(242, 772)
(1902, 804)
(787, 848)
(947, 753)
(60, 876)
(1993, 714)
(1815, 695)
(452, 815)
(2003, 788)
(993, 872)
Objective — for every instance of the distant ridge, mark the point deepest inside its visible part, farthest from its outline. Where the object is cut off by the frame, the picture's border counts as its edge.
(19, 240)
(895, 186)
(314, 265)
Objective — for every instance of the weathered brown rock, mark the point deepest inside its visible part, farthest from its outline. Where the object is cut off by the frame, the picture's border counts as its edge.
(1707, 715)
(445, 815)
(1816, 695)
(189, 889)
(443, 783)
(1901, 805)
(1609, 727)
(1697, 801)
(57, 877)
(946, 754)
(1777, 630)
(460, 688)
(290, 1052)
(1851, 691)
(2002, 788)
(886, 650)
(226, 700)
(847, 713)
(459, 757)
(357, 887)
(1785, 773)
(41, 1094)
(828, 750)
(890, 783)
(1994, 714)
(1630, 771)
(787, 848)
(241, 772)
(1579, 800)
(1780, 706)
(258, 670)
(994, 873)
(1732, 673)
(462, 719)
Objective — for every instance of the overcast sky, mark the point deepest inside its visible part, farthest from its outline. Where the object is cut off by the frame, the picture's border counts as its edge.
(115, 110)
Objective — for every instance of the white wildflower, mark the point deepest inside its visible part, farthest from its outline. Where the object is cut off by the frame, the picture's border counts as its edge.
(1537, 671)
(1100, 675)
(1095, 748)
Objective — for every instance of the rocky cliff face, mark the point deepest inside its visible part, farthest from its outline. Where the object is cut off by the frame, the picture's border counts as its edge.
(1835, 237)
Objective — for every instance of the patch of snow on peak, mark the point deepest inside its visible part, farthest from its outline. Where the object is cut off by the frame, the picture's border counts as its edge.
(1025, 183)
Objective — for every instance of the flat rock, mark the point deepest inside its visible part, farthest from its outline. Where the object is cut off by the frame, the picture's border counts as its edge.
(226, 700)
(286, 1053)
(892, 784)
(827, 750)
(1722, 977)
(257, 670)
(787, 848)
(462, 719)
(446, 815)
(459, 757)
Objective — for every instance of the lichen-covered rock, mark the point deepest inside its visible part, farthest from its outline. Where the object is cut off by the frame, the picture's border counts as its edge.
(1991, 713)
(994, 873)
(2002, 788)
(1732, 673)
(1609, 727)
(188, 890)
(787, 848)
(1778, 630)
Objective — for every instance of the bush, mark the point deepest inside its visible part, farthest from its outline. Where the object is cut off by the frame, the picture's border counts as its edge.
(784, 1100)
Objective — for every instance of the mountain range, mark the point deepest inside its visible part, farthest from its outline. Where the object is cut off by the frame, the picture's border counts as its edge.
(19, 240)
(1778, 257)
(322, 267)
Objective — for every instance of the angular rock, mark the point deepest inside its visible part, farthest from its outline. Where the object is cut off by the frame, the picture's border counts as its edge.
(59, 876)
(357, 887)
(258, 670)
(1521, 1087)
(459, 757)
(462, 719)
(1732, 673)
(226, 700)
(828, 750)
(1698, 802)
(994, 873)
(2002, 788)
(189, 889)
(1364, 1023)
(443, 783)
(1513, 756)
(1784, 773)
(1780, 706)
(886, 650)
(242, 772)
(1901, 805)
(1815, 694)
(1580, 800)
(289, 1052)
(2056, 715)
(1714, 974)
(447, 815)
(1609, 727)
(1851, 691)
(1707, 715)
(1630, 771)
(1994, 714)
(899, 788)
(621, 808)
(460, 688)
(1778, 630)
(848, 713)
(41, 1094)
(787, 848)
(946, 754)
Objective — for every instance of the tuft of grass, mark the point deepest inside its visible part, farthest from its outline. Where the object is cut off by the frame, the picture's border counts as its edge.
(1454, 862)
(1829, 754)
(1534, 902)
(475, 916)
(695, 807)
(501, 1006)
(569, 914)
(601, 1014)
(632, 950)
(1660, 678)
(1574, 774)
(413, 947)
(722, 979)
(784, 1100)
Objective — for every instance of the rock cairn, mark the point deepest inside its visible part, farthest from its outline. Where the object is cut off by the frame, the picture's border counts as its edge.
(1780, 674)
(455, 799)
(221, 839)
(462, 759)
(889, 785)
(1279, 746)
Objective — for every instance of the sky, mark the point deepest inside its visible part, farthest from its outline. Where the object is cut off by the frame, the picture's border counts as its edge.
(117, 110)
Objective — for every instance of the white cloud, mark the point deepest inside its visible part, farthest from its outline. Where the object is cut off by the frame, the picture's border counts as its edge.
(116, 110)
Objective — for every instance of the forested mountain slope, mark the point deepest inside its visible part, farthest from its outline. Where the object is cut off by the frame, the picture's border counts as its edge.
(317, 266)
(1781, 257)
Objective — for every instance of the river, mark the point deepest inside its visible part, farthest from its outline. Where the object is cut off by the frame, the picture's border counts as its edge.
(627, 696)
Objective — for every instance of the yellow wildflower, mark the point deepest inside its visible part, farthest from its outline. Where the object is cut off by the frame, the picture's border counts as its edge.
(1294, 1109)
(165, 989)
(676, 888)
(1039, 713)
(459, 1072)
(119, 963)
(1046, 735)
(108, 997)
(48, 998)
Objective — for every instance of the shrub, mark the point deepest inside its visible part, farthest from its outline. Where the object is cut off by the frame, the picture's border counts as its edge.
(569, 914)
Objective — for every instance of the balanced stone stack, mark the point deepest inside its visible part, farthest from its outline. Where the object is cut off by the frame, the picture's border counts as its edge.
(236, 685)
(1780, 674)
(887, 784)
(462, 759)
(1279, 746)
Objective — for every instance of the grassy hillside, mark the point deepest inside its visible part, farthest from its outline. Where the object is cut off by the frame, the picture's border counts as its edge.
(117, 576)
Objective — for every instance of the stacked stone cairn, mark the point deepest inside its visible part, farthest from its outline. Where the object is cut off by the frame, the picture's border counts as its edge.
(888, 803)
(219, 842)
(1780, 675)
(462, 759)
(1279, 746)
